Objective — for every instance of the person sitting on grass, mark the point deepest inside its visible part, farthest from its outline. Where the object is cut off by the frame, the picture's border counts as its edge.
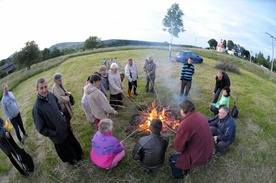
(106, 151)
(223, 129)
(224, 100)
(150, 150)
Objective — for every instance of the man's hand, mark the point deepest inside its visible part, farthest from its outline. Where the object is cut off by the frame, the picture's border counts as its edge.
(116, 113)
(132, 83)
(214, 93)
(215, 139)
(7, 134)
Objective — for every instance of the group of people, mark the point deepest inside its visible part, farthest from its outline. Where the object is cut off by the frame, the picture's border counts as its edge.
(222, 83)
(195, 140)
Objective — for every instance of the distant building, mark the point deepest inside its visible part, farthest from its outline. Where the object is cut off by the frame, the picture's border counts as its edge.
(8, 68)
(220, 47)
(230, 52)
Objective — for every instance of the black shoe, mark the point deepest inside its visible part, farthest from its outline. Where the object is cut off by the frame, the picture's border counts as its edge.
(179, 177)
(25, 174)
(22, 142)
(26, 135)
(136, 94)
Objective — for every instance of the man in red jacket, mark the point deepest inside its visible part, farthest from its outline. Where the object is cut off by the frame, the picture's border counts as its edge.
(193, 141)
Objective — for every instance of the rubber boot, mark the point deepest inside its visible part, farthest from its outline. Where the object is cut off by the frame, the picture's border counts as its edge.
(129, 93)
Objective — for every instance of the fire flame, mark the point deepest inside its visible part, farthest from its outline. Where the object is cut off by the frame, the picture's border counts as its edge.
(167, 120)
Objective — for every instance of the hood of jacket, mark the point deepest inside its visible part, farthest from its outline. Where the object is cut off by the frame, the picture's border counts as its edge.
(90, 88)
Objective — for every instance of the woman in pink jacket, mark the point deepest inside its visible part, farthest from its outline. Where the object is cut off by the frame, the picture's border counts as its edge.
(106, 151)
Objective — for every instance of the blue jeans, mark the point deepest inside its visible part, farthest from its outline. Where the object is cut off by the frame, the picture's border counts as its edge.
(216, 95)
(151, 82)
(176, 172)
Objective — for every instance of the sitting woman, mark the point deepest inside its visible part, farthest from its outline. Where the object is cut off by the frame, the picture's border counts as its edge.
(106, 151)
(224, 100)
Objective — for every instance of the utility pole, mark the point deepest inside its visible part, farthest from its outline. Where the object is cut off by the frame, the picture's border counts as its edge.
(272, 38)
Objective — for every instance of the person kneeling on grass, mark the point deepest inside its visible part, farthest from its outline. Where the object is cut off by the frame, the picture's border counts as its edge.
(223, 129)
(106, 151)
(150, 150)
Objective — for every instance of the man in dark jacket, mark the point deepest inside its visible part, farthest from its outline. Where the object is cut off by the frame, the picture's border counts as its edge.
(150, 68)
(50, 122)
(6, 147)
(193, 141)
(222, 80)
(150, 150)
(223, 129)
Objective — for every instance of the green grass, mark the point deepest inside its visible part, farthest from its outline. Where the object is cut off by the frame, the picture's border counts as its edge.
(250, 159)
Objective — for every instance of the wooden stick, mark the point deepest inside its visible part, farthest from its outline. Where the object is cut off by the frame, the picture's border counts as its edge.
(133, 133)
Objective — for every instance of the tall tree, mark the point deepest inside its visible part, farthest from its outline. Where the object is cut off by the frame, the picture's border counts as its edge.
(28, 55)
(230, 45)
(46, 54)
(224, 43)
(173, 22)
(93, 42)
(213, 43)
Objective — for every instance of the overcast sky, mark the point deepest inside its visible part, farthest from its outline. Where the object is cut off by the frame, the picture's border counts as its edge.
(53, 21)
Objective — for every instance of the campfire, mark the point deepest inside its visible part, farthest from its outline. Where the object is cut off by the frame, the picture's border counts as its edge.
(141, 122)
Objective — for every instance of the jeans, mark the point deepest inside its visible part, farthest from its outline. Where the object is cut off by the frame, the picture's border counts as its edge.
(17, 121)
(221, 145)
(186, 84)
(151, 81)
(176, 172)
(216, 95)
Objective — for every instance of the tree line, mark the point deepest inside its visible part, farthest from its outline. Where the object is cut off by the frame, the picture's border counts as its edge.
(241, 52)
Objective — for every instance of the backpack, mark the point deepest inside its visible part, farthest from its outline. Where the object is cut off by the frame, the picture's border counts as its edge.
(235, 111)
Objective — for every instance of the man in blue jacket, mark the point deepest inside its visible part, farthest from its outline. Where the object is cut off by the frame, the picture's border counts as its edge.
(11, 109)
(223, 129)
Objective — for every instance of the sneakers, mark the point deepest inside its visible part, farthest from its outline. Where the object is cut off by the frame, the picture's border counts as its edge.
(180, 177)
(135, 94)
(22, 142)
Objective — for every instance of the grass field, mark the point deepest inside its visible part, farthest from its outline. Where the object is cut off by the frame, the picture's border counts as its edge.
(250, 159)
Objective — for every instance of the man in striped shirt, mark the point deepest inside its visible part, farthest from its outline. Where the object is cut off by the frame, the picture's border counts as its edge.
(186, 77)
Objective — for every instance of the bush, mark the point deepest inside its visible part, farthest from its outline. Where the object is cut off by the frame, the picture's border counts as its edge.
(228, 66)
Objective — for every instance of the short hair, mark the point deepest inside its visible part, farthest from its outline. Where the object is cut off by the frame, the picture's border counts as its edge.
(227, 89)
(114, 66)
(187, 106)
(156, 126)
(191, 58)
(129, 59)
(102, 67)
(57, 76)
(149, 58)
(224, 108)
(39, 81)
(5, 84)
(105, 125)
(94, 78)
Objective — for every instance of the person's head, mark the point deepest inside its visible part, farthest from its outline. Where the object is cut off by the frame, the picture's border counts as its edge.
(114, 67)
(42, 87)
(190, 60)
(103, 70)
(130, 61)
(58, 79)
(186, 106)
(150, 59)
(223, 111)
(5, 88)
(226, 91)
(105, 125)
(156, 126)
(96, 80)
(220, 75)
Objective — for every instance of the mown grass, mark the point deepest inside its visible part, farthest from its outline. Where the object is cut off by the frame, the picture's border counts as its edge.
(250, 159)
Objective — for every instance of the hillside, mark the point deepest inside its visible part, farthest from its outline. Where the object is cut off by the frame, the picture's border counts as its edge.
(250, 159)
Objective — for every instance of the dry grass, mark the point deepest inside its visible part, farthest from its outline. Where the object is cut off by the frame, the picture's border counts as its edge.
(250, 159)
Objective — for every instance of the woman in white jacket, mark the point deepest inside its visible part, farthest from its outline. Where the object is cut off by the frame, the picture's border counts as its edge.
(132, 76)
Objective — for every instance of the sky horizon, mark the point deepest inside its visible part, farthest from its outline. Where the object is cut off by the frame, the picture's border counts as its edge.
(48, 23)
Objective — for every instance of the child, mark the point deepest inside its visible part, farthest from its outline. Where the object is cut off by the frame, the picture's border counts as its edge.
(104, 81)
(106, 150)
(150, 150)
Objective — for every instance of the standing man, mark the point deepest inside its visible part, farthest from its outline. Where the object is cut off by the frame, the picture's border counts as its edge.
(150, 68)
(51, 122)
(193, 141)
(11, 109)
(187, 73)
(132, 76)
(223, 128)
(222, 80)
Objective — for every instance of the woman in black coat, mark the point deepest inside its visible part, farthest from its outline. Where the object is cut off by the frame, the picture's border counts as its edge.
(5, 146)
